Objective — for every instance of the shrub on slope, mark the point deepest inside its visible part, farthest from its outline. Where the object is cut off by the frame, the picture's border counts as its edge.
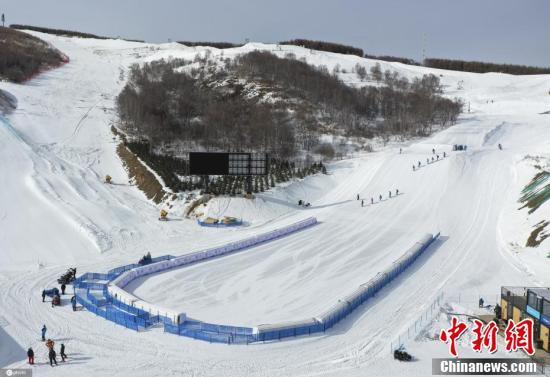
(22, 55)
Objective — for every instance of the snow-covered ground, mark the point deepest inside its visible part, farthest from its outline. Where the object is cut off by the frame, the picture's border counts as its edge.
(56, 212)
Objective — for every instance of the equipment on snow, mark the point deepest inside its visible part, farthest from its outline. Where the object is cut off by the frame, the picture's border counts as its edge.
(56, 300)
(146, 259)
(68, 277)
(108, 179)
(401, 355)
(163, 215)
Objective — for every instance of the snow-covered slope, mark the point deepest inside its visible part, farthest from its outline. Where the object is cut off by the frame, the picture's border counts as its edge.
(55, 212)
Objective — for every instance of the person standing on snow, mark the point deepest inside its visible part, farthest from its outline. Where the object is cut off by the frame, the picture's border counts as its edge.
(73, 302)
(357, 196)
(63, 287)
(414, 167)
(380, 197)
(30, 355)
(419, 164)
(44, 329)
(433, 150)
(371, 200)
(396, 192)
(427, 161)
(43, 295)
(389, 192)
(62, 352)
(362, 203)
(52, 356)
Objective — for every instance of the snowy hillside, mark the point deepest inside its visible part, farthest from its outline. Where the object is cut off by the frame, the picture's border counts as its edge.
(56, 212)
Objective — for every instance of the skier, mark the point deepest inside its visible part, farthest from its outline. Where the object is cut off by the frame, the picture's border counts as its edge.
(444, 154)
(418, 163)
(362, 203)
(400, 150)
(62, 352)
(371, 200)
(389, 194)
(50, 344)
(357, 196)
(481, 302)
(433, 150)
(73, 302)
(380, 197)
(396, 192)
(432, 159)
(437, 157)
(44, 329)
(427, 161)
(414, 167)
(63, 286)
(499, 146)
(30, 355)
(43, 295)
(52, 356)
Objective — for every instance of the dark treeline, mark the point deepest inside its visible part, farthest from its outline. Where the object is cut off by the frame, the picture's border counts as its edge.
(195, 110)
(62, 32)
(174, 172)
(389, 58)
(220, 45)
(23, 55)
(65, 33)
(482, 67)
(325, 46)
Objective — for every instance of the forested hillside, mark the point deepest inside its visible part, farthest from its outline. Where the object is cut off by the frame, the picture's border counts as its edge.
(22, 55)
(262, 102)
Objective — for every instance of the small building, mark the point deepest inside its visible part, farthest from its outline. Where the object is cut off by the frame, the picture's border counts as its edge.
(529, 302)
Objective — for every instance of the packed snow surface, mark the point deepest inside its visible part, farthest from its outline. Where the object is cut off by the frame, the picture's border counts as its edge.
(56, 212)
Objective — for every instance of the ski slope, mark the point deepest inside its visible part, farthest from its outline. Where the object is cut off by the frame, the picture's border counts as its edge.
(56, 212)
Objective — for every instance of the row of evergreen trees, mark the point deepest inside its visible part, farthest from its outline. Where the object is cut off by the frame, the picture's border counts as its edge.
(175, 173)
(483, 67)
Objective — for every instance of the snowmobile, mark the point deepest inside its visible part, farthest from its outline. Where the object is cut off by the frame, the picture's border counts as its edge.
(146, 259)
(402, 355)
(68, 277)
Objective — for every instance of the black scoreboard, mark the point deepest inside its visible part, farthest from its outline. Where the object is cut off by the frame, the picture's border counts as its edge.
(244, 164)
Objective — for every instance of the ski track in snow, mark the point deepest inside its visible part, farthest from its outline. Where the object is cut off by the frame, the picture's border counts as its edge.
(55, 211)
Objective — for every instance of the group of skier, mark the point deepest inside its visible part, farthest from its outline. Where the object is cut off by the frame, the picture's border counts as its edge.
(435, 157)
(380, 197)
(50, 344)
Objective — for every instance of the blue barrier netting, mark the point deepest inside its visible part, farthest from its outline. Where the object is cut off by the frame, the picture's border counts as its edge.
(91, 292)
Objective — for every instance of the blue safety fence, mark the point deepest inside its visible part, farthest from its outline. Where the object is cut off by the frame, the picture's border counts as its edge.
(119, 270)
(92, 293)
(133, 319)
(347, 304)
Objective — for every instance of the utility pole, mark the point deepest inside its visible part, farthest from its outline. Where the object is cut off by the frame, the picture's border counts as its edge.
(423, 47)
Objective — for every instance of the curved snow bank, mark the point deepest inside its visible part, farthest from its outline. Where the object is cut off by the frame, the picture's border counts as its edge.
(348, 303)
(116, 287)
